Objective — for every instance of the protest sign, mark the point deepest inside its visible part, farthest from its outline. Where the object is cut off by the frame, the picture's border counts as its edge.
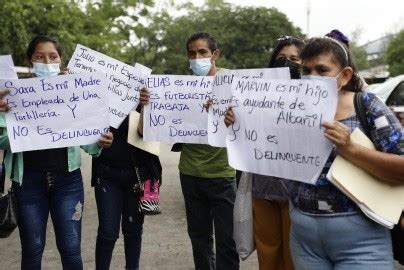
(7, 70)
(125, 81)
(277, 130)
(222, 97)
(54, 112)
(136, 140)
(176, 112)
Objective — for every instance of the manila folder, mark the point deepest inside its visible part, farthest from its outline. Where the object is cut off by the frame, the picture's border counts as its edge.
(385, 200)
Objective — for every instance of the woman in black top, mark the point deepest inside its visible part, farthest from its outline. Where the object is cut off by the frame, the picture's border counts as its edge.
(114, 180)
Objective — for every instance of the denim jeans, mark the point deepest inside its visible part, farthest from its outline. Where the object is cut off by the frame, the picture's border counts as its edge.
(209, 204)
(349, 242)
(62, 195)
(115, 199)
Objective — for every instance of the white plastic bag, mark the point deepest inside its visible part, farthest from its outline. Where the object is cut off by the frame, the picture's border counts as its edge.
(243, 218)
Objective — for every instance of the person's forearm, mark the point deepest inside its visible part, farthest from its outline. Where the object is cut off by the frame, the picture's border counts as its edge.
(387, 167)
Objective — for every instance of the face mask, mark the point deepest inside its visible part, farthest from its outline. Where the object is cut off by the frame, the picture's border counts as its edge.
(200, 67)
(294, 67)
(322, 78)
(46, 70)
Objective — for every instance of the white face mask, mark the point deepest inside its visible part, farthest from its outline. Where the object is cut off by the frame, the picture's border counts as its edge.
(45, 70)
(322, 78)
(201, 66)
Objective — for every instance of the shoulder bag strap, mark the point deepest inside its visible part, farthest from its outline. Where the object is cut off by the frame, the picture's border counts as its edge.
(361, 113)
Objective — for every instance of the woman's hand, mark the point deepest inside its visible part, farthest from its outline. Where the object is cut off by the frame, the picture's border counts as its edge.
(208, 104)
(338, 134)
(106, 140)
(229, 117)
(144, 97)
(3, 104)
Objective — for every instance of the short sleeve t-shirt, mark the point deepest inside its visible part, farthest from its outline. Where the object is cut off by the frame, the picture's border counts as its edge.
(205, 161)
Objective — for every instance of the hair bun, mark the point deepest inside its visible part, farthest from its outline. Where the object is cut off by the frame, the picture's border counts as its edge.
(338, 35)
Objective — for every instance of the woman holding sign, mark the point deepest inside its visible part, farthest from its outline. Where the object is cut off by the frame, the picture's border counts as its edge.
(115, 182)
(271, 221)
(48, 181)
(328, 229)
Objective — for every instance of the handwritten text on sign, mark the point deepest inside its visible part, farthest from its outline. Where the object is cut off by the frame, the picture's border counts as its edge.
(176, 112)
(125, 81)
(222, 97)
(277, 130)
(54, 112)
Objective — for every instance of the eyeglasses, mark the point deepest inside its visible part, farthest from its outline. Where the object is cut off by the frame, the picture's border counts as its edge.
(286, 37)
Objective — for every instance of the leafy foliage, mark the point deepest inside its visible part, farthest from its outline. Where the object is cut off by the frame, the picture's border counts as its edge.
(245, 35)
(103, 25)
(395, 55)
(128, 31)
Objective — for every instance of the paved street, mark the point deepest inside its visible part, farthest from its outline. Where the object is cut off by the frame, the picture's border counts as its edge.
(165, 240)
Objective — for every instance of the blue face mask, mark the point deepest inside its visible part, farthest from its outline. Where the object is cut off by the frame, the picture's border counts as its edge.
(200, 67)
(45, 70)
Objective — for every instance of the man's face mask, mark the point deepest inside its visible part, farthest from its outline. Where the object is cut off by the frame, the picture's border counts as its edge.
(45, 70)
(294, 67)
(200, 67)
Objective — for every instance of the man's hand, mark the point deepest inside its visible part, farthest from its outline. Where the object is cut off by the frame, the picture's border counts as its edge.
(229, 117)
(144, 97)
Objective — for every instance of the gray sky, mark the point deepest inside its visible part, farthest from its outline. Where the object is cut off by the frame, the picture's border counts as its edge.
(375, 18)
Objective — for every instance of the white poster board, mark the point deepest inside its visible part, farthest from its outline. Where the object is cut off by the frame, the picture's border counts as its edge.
(7, 70)
(175, 112)
(222, 97)
(54, 112)
(277, 130)
(125, 81)
(136, 140)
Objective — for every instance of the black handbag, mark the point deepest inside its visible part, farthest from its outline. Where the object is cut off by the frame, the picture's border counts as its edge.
(8, 208)
(397, 233)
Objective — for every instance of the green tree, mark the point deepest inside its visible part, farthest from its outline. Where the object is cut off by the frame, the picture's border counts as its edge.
(104, 25)
(359, 57)
(395, 54)
(245, 35)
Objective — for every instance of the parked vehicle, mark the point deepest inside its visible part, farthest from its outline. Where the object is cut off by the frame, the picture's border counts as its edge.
(392, 93)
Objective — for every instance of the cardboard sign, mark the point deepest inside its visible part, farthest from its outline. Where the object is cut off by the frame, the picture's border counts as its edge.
(7, 70)
(277, 130)
(222, 97)
(176, 112)
(54, 112)
(125, 81)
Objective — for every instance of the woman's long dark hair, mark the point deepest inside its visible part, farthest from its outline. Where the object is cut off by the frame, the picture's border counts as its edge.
(340, 54)
(283, 42)
(42, 39)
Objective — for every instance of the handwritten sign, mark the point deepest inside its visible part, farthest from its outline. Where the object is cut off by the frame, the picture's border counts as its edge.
(7, 70)
(222, 97)
(277, 130)
(54, 112)
(125, 81)
(176, 112)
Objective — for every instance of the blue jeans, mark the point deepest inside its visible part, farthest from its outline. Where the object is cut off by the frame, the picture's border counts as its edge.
(209, 205)
(62, 195)
(351, 242)
(115, 199)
